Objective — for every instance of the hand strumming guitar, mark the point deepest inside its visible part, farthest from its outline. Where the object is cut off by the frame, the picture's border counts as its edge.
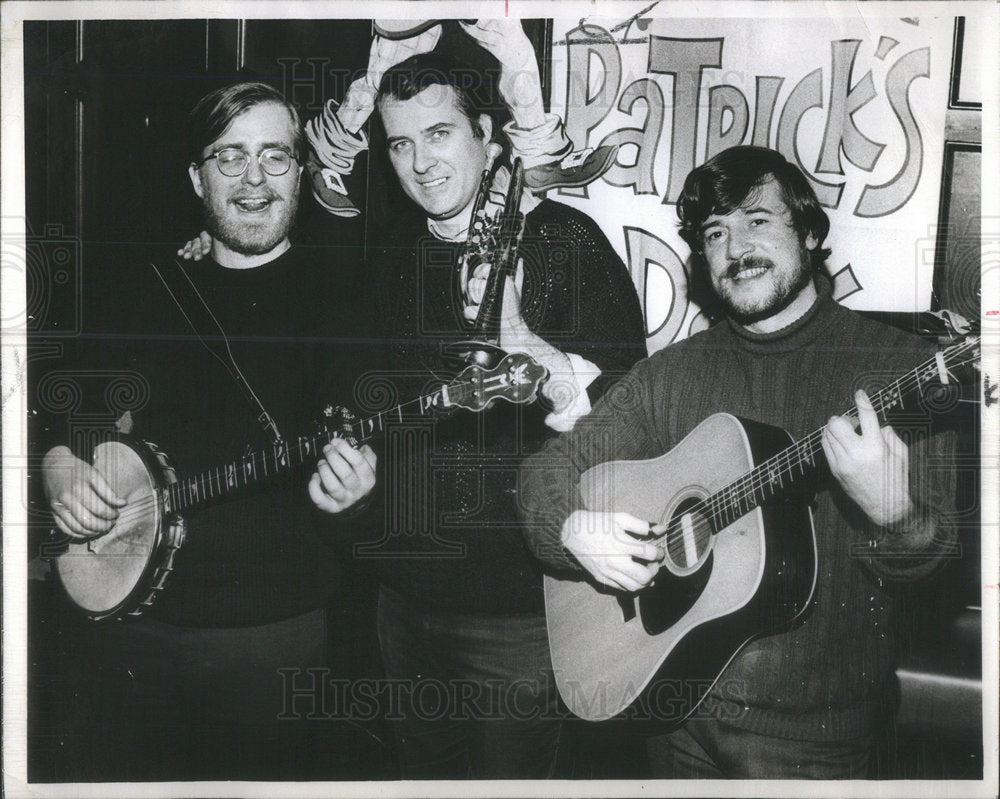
(611, 547)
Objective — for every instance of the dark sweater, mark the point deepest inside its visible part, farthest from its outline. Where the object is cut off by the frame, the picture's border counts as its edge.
(822, 680)
(257, 556)
(449, 537)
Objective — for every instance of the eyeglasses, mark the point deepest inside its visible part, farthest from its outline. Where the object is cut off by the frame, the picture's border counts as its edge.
(233, 162)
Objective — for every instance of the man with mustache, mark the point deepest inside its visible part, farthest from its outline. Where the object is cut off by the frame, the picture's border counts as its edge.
(192, 688)
(801, 703)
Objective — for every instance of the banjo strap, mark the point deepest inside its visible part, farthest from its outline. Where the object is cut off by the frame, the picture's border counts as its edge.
(199, 316)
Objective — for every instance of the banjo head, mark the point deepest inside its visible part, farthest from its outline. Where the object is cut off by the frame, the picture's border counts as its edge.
(102, 575)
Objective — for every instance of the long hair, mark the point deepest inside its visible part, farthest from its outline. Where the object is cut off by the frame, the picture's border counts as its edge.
(215, 112)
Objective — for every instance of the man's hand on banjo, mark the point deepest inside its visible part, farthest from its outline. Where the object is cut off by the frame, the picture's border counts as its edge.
(343, 477)
(83, 504)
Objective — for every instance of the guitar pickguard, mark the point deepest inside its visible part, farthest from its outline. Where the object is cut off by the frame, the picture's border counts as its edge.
(670, 598)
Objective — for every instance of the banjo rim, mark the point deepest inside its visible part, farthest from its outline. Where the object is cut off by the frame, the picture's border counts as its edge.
(167, 539)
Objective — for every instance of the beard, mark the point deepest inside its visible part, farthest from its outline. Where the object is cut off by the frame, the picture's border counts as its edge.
(249, 237)
(785, 289)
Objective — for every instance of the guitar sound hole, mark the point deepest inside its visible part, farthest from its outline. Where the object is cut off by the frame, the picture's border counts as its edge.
(688, 536)
(686, 568)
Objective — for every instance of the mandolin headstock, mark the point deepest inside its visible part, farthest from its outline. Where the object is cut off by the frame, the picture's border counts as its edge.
(515, 379)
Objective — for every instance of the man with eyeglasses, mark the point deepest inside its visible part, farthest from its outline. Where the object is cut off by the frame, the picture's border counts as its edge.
(199, 686)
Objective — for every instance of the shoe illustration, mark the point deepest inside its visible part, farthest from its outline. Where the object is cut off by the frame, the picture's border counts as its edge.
(328, 188)
(577, 168)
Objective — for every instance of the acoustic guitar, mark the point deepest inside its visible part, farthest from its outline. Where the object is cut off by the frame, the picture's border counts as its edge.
(739, 558)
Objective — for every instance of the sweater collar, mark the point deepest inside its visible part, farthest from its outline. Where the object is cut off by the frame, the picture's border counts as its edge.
(221, 276)
(803, 331)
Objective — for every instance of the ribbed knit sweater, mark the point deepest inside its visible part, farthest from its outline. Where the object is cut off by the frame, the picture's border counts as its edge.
(823, 679)
(448, 536)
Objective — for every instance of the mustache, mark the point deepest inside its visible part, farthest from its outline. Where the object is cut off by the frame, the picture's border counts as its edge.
(748, 262)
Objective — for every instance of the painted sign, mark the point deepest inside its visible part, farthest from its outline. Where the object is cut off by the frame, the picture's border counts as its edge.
(858, 103)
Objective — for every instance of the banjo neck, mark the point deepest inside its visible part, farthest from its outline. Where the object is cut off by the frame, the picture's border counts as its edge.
(121, 572)
(261, 465)
(515, 379)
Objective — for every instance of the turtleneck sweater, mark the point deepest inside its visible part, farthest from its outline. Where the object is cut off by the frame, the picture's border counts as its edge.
(823, 679)
(257, 556)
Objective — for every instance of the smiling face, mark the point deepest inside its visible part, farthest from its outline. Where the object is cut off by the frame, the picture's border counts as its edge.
(758, 263)
(249, 216)
(437, 155)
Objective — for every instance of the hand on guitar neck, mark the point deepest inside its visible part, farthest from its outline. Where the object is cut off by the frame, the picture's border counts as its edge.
(83, 504)
(871, 464)
(515, 336)
(616, 548)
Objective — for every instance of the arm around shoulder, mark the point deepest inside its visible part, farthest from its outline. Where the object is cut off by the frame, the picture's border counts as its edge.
(610, 332)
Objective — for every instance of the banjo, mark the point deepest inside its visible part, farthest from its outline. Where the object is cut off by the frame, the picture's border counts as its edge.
(121, 572)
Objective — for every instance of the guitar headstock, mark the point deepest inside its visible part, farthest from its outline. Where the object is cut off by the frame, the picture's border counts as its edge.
(516, 379)
(946, 379)
(964, 356)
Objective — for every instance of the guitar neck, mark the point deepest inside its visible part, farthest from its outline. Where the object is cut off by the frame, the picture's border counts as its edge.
(774, 477)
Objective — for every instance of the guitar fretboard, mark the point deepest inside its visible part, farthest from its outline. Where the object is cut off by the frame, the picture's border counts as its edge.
(771, 478)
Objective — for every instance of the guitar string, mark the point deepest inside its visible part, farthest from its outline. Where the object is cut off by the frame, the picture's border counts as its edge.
(726, 498)
(903, 386)
(719, 503)
(716, 504)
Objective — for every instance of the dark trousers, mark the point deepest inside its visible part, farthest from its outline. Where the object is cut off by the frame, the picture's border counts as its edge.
(710, 749)
(154, 701)
(471, 696)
